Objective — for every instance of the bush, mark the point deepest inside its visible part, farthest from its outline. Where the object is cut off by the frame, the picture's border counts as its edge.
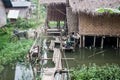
(13, 52)
(94, 72)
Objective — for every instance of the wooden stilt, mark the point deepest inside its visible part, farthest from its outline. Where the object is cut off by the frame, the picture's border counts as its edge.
(83, 41)
(58, 24)
(102, 42)
(63, 76)
(80, 42)
(117, 42)
(94, 41)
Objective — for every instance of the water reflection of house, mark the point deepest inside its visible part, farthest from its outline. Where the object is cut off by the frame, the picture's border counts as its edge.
(2, 14)
(16, 9)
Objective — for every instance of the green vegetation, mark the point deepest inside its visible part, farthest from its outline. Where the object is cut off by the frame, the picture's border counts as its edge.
(94, 72)
(54, 23)
(109, 10)
(11, 53)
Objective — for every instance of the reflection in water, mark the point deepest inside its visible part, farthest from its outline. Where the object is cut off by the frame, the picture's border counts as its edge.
(23, 72)
(7, 74)
(98, 56)
(44, 54)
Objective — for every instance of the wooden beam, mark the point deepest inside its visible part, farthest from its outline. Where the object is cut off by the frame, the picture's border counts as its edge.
(63, 71)
(62, 58)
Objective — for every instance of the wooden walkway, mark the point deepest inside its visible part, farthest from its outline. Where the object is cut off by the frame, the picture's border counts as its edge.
(53, 42)
(48, 73)
(52, 45)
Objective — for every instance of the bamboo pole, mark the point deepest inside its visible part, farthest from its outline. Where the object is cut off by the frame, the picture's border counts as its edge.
(83, 41)
(102, 42)
(80, 42)
(117, 42)
(62, 58)
(94, 41)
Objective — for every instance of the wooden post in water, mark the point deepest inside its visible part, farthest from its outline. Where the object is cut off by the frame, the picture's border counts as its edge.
(80, 42)
(83, 41)
(117, 42)
(102, 42)
(67, 3)
(94, 41)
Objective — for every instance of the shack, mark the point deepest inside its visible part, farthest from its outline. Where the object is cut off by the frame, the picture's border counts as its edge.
(102, 26)
(56, 13)
(16, 9)
(2, 14)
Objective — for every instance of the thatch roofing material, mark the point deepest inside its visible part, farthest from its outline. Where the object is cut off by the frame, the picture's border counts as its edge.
(89, 6)
(72, 21)
(2, 14)
(56, 12)
(52, 1)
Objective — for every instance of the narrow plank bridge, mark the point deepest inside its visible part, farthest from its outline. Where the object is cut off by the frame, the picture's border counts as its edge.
(48, 73)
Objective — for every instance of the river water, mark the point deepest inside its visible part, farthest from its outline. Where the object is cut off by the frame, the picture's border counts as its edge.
(82, 56)
(97, 56)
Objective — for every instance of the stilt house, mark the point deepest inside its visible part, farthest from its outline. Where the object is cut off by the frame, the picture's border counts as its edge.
(56, 11)
(16, 9)
(92, 23)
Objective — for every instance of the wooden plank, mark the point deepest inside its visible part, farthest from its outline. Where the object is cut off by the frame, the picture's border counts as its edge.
(52, 44)
(48, 74)
(62, 58)
(53, 32)
(57, 58)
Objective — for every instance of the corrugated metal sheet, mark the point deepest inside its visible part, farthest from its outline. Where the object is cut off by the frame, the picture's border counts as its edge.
(52, 1)
(21, 4)
(23, 12)
(13, 14)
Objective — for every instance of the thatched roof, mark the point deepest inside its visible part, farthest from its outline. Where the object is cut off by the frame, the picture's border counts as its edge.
(52, 1)
(89, 6)
(2, 14)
